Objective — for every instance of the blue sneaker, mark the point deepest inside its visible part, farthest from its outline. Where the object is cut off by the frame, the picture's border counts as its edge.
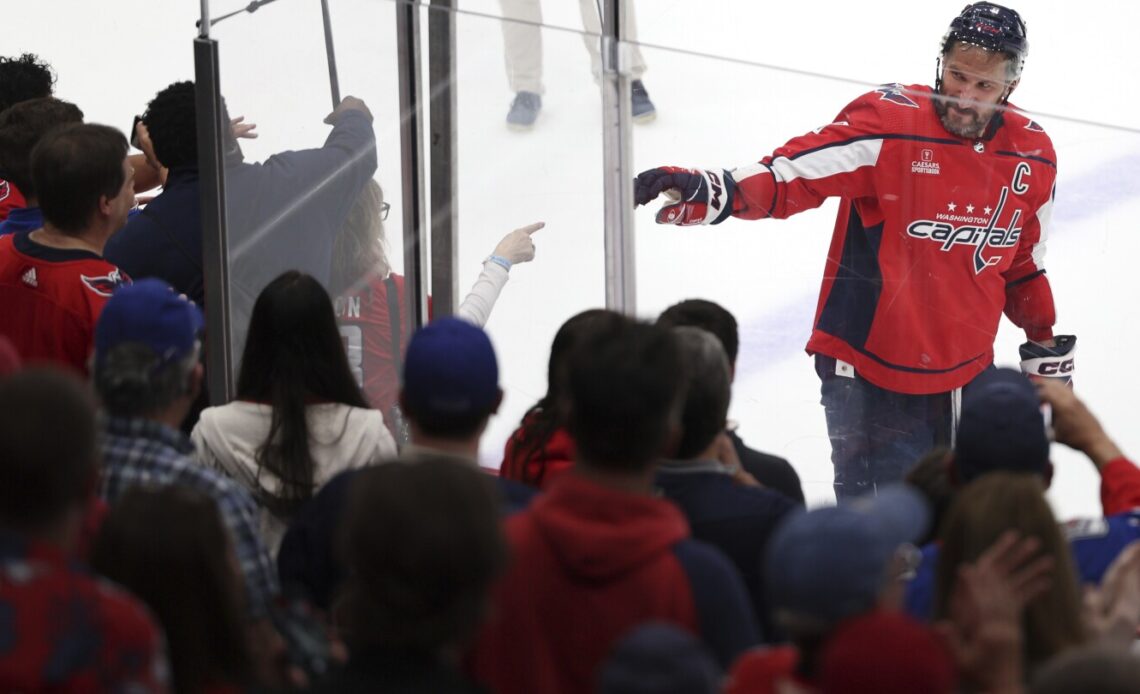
(643, 109)
(524, 111)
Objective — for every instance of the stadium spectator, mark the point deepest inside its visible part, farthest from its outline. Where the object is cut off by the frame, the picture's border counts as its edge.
(886, 653)
(146, 374)
(169, 547)
(21, 78)
(540, 450)
(701, 478)
(54, 280)
(1002, 429)
(63, 629)
(825, 566)
(165, 241)
(299, 417)
(369, 293)
(424, 546)
(659, 658)
(985, 510)
(282, 214)
(769, 470)
(600, 537)
(21, 127)
(1096, 668)
(931, 477)
(451, 389)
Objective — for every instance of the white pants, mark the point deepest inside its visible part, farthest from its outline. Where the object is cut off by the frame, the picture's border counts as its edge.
(523, 42)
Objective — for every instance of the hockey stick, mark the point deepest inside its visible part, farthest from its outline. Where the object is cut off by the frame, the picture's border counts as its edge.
(330, 53)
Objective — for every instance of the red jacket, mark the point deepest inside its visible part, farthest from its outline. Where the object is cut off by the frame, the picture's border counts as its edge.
(589, 564)
(935, 236)
(543, 467)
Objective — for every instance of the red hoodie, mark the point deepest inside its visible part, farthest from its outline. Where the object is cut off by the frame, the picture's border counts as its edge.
(589, 564)
(546, 465)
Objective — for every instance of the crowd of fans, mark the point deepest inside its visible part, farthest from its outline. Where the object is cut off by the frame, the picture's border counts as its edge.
(327, 532)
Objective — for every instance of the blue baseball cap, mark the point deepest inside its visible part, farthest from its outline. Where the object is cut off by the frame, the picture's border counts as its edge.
(831, 563)
(1001, 427)
(450, 369)
(149, 312)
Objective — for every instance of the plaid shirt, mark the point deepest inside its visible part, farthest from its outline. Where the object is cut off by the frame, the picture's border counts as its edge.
(66, 630)
(141, 451)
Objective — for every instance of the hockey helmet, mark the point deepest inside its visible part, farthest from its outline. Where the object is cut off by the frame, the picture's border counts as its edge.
(992, 27)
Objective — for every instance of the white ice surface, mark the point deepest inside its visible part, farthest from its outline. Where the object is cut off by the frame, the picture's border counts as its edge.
(112, 56)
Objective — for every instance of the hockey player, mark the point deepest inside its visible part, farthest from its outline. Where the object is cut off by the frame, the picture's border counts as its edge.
(945, 198)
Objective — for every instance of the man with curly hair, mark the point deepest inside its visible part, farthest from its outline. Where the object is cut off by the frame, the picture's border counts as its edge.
(21, 78)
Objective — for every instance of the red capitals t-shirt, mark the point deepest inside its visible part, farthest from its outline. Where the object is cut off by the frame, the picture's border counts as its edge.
(50, 299)
(366, 329)
(10, 199)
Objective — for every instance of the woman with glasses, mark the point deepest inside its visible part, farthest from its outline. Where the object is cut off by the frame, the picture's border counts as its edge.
(369, 293)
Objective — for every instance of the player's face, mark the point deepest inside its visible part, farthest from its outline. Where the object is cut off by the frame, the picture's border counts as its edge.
(975, 81)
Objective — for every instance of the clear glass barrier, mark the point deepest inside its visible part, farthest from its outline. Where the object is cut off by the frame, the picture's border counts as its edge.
(718, 113)
(731, 80)
(510, 177)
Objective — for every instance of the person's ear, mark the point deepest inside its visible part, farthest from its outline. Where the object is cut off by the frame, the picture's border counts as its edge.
(194, 383)
(1047, 474)
(1010, 88)
(672, 439)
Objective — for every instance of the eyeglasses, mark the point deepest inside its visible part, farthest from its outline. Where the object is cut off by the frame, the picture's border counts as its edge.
(384, 207)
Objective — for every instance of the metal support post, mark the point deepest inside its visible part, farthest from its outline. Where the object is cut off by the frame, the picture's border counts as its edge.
(617, 149)
(411, 159)
(442, 148)
(212, 201)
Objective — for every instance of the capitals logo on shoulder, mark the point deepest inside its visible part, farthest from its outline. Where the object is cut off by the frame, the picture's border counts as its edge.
(1033, 126)
(104, 285)
(895, 93)
(5, 189)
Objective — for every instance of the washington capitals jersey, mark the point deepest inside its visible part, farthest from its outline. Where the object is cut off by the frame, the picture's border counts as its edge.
(1097, 542)
(10, 199)
(936, 235)
(51, 298)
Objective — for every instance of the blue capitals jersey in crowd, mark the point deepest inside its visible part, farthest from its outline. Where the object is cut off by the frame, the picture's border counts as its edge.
(1096, 542)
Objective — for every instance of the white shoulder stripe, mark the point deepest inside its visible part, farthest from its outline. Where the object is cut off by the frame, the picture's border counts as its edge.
(748, 171)
(828, 161)
(1043, 215)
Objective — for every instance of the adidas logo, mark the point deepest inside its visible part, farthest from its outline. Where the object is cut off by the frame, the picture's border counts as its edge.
(29, 278)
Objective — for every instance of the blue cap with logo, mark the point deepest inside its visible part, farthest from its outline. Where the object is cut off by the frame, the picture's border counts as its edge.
(149, 312)
(450, 369)
(831, 563)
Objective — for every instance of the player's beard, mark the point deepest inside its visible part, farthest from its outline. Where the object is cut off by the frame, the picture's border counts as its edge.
(962, 121)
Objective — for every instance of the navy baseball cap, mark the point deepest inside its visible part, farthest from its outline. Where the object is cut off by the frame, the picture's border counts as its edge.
(659, 658)
(830, 563)
(1001, 427)
(450, 369)
(149, 312)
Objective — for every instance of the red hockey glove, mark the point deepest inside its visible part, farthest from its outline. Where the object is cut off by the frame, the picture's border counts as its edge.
(1050, 362)
(698, 196)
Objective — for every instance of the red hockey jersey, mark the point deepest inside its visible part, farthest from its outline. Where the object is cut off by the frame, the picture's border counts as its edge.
(10, 199)
(51, 299)
(936, 235)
